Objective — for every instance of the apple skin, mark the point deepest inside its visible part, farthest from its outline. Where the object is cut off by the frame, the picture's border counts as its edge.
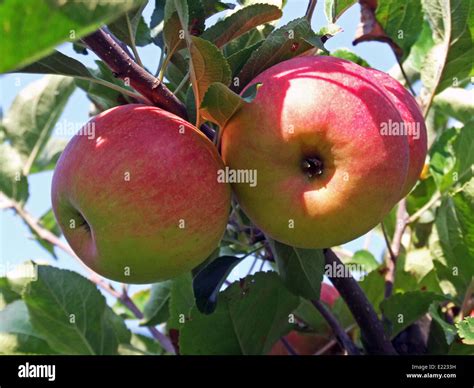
(320, 107)
(306, 344)
(135, 224)
(411, 114)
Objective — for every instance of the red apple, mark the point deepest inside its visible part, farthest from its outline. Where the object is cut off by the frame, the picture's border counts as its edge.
(414, 125)
(325, 173)
(139, 202)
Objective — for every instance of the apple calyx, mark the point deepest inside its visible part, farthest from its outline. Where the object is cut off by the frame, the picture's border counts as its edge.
(312, 166)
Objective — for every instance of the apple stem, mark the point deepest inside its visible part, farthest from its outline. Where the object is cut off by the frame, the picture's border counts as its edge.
(343, 338)
(373, 334)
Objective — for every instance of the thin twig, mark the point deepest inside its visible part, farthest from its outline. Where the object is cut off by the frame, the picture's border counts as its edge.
(310, 10)
(332, 342)
(107, 49)
(372, 331)
(288, 347)
(395, 246)
(414, 217)
(132, 41)
(342, 336)
(404, 75)
(467, 299)
(46, 235)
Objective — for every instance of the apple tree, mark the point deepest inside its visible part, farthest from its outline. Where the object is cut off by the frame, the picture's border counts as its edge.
(415, 297)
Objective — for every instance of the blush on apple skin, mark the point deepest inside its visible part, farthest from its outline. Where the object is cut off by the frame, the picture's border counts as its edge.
(327, 110)
(140, 202)
(413, 118)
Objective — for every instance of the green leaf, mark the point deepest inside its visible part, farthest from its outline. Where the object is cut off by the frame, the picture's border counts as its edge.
(457, 103)
(396, 22)
(284, 43)
(243, 42)
(209, 280)
(212, 7)
(207, 65)
(402, 21)
(7, 295)
(157, 22)
(311, 316)
(71, 314)
(251, 316)
(48, 222)
(365, 259)
(452, 157)
(138, 28)
(12, 181)
(466, 330)
(102, 89)
(238, 59)
(420, 48)
(49, 156)
(350, 56)
(59, 64)
(220, 104)
(455, 227)
(140, 345)
(404, 309)
(335, 8)
(449, 62)
(156, 309)
(17, 336)
(181, 301)
(42, 25)
(101, 86)
(421, 194)
(33, 114)
(302, 270)
(241, 22)
(449, 331)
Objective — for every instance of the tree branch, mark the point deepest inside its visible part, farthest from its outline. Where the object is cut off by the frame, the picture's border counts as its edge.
(341, 335)
(46, 235)
(394, 247)
(310, 10)
(288, 347)
(373, 334)
(110, 50)
(106, 47)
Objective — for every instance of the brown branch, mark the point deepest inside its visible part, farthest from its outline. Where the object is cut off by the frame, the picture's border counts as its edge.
(372, 331)
(395, 246)
(343, 338)
(46, 235)
(124, 67)
(110, 50)
(310, 10)
(288, 347)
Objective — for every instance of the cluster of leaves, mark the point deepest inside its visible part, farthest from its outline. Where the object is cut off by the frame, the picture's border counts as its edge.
(61, 312)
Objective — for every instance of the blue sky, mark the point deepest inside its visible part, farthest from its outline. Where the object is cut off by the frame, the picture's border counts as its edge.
(16, 245)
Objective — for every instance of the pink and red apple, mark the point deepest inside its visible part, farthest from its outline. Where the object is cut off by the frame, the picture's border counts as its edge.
(140, 201)
(326, 173)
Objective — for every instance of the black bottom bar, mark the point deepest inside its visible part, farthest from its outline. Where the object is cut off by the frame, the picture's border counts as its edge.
(384, 371)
